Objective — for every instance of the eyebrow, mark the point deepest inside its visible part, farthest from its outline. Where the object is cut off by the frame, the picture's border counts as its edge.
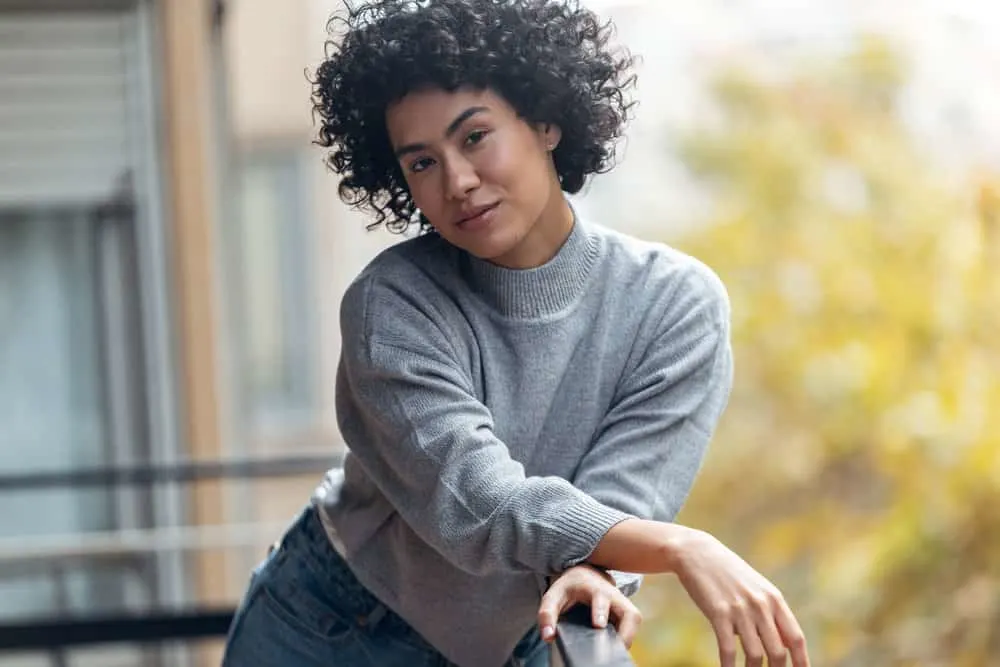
(450, 130)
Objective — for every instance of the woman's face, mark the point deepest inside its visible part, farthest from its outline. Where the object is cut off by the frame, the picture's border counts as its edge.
(483, 176)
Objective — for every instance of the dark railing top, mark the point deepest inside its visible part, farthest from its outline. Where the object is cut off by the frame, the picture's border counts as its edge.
(579, 644)
(182, 472)
(62, 633)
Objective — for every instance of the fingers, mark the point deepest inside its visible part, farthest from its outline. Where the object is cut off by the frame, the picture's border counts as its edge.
(739, 600)
(595, 590)
(553, 604)
(617, 608)
(753, 648)
(628, 619)
(791, 634)
(777, 654)
(600, 607)
(726, 637)
(765, 627)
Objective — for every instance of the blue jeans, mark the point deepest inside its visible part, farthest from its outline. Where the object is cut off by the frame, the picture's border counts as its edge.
(304, 608)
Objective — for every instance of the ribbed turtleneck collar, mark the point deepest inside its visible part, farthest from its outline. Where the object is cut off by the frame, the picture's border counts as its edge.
(541, 291)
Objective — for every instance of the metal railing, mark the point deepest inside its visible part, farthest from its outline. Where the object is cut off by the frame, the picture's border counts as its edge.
(67, 633)
(190, 471)
(578, 644)
(130, 552)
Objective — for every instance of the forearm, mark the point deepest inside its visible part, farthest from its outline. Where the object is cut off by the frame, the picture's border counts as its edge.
(430, 448)
(641, 546)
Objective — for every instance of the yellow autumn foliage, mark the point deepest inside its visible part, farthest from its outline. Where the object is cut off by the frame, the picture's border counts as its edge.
(858, 465)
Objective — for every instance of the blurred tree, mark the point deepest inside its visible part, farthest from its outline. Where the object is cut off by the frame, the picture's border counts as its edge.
(859, 462)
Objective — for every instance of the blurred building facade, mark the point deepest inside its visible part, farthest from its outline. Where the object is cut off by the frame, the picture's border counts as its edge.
(171, 258)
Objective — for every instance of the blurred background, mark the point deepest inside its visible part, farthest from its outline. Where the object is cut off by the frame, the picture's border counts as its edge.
(173, 252)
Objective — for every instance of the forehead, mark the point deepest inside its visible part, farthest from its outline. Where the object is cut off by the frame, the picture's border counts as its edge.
(424, 115)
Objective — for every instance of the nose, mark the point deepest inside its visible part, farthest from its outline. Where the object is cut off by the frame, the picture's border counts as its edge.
(461, 177)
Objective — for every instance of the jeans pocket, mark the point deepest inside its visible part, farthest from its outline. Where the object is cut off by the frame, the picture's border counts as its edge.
(272, 633)
(293, 593)
(305, 615)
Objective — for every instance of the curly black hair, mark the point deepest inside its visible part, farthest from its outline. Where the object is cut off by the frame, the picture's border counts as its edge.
(550, 59)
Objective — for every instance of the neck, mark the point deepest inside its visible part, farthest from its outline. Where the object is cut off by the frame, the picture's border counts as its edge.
(541, 291)
(545, 237)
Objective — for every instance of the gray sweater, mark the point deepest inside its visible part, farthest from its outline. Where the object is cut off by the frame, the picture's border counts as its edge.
(499, 422)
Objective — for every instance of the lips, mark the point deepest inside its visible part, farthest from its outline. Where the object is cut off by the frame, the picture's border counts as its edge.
(474, 213)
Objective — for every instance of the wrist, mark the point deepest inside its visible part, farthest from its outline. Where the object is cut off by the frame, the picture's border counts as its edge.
(675, 545)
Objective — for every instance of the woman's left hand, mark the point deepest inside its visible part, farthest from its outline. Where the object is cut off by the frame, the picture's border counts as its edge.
(585, 584)
(739, 602)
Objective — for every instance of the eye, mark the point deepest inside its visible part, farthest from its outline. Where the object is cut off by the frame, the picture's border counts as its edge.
(421, 164)
(475, 137)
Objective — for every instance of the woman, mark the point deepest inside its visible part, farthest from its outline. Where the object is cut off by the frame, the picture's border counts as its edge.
(526, 397)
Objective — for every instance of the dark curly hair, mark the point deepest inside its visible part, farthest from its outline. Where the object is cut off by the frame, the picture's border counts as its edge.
(550, 59)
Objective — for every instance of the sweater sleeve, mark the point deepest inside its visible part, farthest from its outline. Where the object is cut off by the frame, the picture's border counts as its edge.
(409, 415)
(651, 444)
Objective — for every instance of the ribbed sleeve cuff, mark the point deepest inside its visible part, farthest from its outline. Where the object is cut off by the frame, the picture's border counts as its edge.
(584, 525)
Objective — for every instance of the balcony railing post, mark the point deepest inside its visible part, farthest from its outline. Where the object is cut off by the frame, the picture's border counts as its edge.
(58, 655)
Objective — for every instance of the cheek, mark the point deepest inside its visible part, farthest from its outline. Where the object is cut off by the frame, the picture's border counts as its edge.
(423, 191)
(513, 167)
(526, 179)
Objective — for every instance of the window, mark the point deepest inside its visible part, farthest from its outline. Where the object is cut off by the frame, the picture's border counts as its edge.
(51, 386)
(80, 291)
(269, 287)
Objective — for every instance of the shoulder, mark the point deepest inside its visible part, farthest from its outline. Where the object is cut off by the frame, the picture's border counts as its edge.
(401, 292)
(664, 281)
(406, 267)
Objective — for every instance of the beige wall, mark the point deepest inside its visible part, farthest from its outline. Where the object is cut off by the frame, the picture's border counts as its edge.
(266, 52)
(269, 47)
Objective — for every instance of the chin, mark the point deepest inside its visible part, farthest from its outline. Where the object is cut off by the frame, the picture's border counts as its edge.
(495, 246)
(499, 240)
(488, 251)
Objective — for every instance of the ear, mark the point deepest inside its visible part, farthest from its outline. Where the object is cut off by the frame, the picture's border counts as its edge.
(551, 136)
